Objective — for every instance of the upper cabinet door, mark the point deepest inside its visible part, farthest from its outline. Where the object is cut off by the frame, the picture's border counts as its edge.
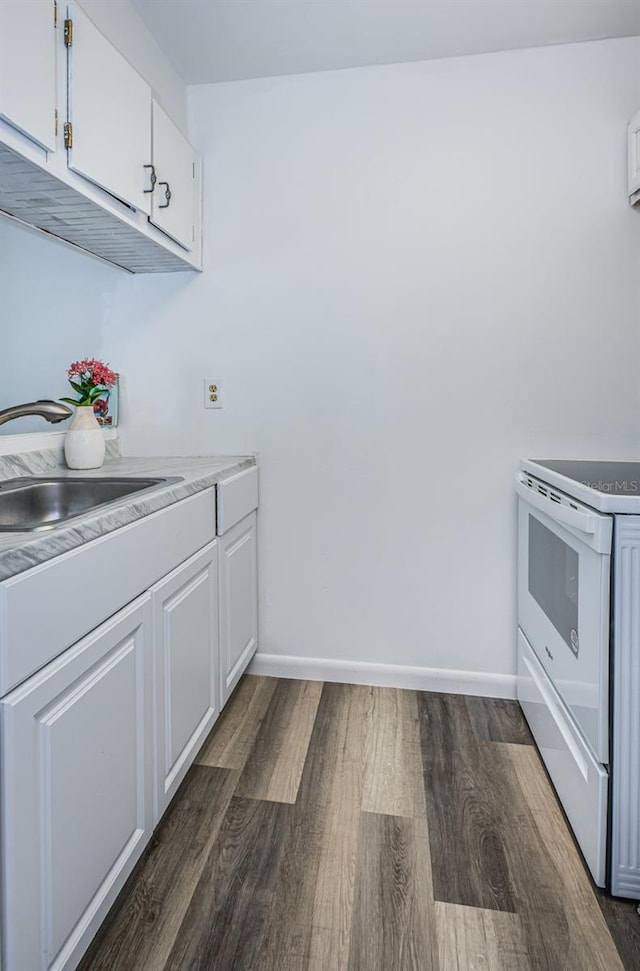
(110, 115)
(173, 200)
(634, 154)
(28, 68)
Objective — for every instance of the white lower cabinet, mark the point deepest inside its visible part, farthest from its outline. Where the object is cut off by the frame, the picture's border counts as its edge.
(238, 601)
(185, 619)
(77, 778)
(94, 744)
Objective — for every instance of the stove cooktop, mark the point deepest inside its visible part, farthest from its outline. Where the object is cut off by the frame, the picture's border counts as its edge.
(608, 487)
(609, 478)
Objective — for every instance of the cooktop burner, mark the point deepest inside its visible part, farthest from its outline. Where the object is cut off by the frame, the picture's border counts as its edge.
(612, 478)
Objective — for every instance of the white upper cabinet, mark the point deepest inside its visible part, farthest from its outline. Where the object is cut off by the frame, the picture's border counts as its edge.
(101, 113)
(634, 157)
(174, 197)
(110, 115)
(28, 68)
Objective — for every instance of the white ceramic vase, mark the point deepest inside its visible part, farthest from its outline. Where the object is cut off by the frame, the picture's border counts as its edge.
(83, 444)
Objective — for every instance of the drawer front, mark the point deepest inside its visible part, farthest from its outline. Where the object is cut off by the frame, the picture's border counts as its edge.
(580, 781)
(47, 609)
(237, 497)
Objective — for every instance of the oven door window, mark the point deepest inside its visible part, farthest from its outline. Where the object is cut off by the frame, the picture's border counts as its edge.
(554, 580)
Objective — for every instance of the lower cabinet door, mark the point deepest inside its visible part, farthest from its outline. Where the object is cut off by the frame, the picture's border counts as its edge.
(77, 786)
(238, 602)
(185, 616)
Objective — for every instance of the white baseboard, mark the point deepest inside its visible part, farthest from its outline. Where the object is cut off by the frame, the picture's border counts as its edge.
(450, 681)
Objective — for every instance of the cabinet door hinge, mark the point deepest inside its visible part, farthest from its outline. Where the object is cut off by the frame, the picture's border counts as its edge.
(56, 121)
(68, 33)
(55, 13)
(68, 134)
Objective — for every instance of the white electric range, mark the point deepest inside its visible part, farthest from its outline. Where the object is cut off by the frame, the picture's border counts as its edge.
(579, 650)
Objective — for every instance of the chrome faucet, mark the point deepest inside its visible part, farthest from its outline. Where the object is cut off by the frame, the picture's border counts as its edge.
(53, 411)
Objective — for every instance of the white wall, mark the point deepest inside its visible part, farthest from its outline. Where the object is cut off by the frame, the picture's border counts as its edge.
(121, 24)
(415, 275)
(53, 304)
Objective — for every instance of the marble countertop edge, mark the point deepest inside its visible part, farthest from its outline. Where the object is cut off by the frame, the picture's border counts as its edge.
(20, 551)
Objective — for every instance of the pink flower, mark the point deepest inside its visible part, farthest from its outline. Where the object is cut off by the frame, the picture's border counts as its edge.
(92, 371)
(89, 378)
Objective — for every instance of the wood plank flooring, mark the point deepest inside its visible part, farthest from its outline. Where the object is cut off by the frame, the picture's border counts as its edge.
(350, 828)
(394, 919)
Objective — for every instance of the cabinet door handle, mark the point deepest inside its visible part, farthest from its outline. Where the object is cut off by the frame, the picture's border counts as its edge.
(152, 177)
(167, 195)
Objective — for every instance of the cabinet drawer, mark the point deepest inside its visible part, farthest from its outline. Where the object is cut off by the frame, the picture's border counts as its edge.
(237, 497)
(580, 781)
(46, 609)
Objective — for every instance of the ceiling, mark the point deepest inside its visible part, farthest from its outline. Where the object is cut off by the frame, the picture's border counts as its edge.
(226, 40)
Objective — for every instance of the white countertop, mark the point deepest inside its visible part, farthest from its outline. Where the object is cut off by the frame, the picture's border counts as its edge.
(20, 551)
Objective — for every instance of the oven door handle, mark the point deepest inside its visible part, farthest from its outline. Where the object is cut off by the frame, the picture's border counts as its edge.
(581, 521)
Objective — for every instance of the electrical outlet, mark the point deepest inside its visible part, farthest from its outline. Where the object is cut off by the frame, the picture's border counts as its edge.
(212, 393)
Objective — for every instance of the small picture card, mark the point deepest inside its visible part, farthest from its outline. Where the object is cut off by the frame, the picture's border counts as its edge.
(105, 408)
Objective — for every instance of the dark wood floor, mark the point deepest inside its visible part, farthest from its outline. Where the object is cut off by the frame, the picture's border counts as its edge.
(349, 828)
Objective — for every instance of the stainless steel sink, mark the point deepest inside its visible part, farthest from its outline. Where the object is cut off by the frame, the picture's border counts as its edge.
(28, 504)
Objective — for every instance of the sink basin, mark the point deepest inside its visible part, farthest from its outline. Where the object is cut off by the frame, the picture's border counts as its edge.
(28, 504)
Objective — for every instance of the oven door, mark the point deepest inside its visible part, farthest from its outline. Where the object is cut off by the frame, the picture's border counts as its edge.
(564, 557)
